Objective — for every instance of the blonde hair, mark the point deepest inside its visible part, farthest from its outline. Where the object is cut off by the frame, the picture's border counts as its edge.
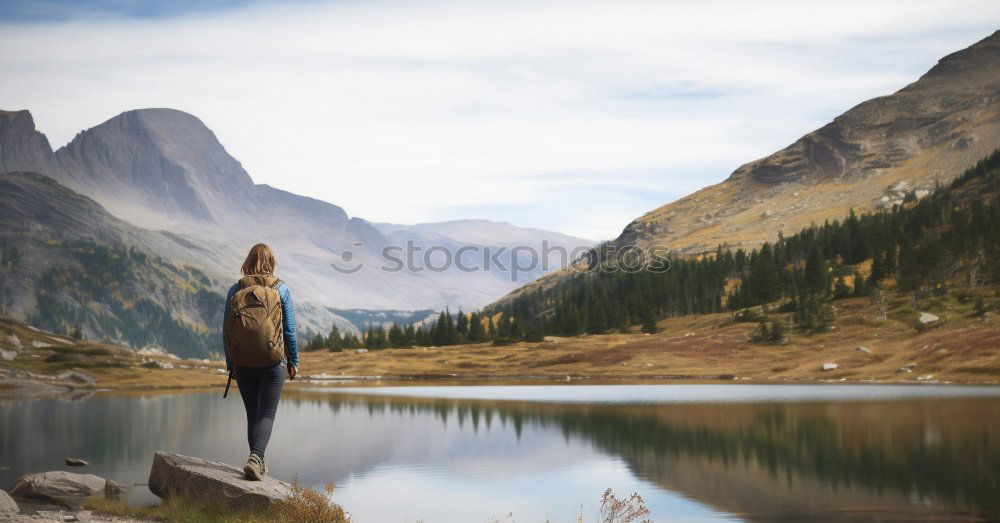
(260, 260)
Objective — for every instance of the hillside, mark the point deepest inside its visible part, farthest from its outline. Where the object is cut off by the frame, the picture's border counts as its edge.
(936, 248)
(865, 159)
(37, 363)
(926, 133)
(67, 264)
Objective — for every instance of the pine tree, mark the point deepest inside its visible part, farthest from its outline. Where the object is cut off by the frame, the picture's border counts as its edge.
(649, 322)
(461, 327)
(335, 341)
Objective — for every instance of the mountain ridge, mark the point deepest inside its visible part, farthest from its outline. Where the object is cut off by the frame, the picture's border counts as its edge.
(926, 132)
(868, 158)
(165, 171)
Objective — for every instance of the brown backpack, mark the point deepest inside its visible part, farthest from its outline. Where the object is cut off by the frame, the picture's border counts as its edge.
(253, 326)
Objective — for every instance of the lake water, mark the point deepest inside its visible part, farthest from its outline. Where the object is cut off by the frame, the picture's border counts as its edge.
(471, 453)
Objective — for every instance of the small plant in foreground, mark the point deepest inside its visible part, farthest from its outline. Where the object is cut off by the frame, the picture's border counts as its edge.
(614, 510)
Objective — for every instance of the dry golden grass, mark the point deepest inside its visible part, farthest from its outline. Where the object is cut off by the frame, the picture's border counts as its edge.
(112, 366)
(962, 349)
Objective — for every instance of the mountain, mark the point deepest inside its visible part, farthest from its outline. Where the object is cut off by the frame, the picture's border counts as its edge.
(866, 159)
(164, 170)
(68, 264)
(924, 134)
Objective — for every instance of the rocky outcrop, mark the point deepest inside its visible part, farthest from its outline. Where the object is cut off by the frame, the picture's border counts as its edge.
(65, 488)
(21, 146)
(177, 475)
(8, 507)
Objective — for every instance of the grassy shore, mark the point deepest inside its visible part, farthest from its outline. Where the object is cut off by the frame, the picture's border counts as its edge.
(959, 348)
(44, 362)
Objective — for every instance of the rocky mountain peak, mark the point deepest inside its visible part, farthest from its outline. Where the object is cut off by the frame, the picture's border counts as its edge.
(155, 159)
(21, 146)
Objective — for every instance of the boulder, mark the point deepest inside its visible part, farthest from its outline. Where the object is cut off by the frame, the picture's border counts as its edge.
(926, 317)
(177, 475)
(865, 350)
(7, 355)
(14, 341)
(76, 462)
(7, 506)
(829, 366)
(65, 488)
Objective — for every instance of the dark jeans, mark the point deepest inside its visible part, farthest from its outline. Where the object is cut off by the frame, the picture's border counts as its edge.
(261, 389)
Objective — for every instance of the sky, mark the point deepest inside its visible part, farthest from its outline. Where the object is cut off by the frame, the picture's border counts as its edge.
(572, 116)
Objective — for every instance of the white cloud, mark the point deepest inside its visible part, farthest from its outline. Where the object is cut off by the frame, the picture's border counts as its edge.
(526, 111)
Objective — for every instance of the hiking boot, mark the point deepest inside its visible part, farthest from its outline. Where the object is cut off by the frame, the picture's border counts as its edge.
(263, 468)
(254, 469)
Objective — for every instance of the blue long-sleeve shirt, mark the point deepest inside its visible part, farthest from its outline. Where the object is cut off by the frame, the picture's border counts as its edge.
(287, 327)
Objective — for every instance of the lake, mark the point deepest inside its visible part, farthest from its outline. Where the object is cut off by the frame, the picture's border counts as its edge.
(694, 452)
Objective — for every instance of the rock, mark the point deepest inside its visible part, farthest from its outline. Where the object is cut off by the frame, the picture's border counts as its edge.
(904, 369)
(865, 350)
(14, 341)
(926, 317)
(40, 344)
(77, 376)
(177, 475)
(902, 186)
(361, 351)
(922, 193)
(76, 462)
(7, 506)
(925, 377)
(7, 355)
(766, 214)
(65, 488)
(829, 366)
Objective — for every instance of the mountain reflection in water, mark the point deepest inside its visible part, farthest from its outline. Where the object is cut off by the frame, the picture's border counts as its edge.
(453, 459)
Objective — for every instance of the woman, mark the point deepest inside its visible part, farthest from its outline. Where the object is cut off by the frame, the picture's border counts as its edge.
(260, 346)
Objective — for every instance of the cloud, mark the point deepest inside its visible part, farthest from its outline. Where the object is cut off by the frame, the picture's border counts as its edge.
(416, 111)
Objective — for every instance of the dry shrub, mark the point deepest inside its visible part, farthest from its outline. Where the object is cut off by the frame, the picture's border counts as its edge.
(614, 510)
(306, 504)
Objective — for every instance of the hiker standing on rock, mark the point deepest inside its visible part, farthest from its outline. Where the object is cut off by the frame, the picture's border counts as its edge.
(258, 334)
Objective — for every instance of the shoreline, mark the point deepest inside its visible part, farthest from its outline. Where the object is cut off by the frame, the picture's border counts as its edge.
(30, 393)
